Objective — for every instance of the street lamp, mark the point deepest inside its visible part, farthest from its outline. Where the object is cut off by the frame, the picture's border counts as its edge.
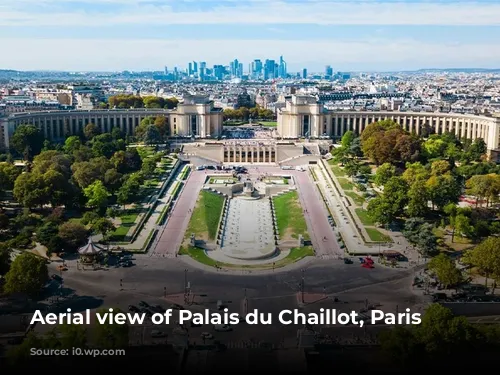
(302, 285)
(185, 285)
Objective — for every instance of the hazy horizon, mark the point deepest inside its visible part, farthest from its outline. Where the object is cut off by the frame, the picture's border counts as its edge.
(145, 35)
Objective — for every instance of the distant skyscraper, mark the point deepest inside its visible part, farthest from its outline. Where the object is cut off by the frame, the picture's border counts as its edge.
(190, 69)
(282, 68)
(269, 69)
(166, 70)
(235, 67)
(195, 67)
(256, 69)
(328, 71)
(304, 73)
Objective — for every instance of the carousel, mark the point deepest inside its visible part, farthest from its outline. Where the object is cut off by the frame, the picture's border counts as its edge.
(90, 255)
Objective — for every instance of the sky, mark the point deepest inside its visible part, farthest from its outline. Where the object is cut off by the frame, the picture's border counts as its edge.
(365, 35)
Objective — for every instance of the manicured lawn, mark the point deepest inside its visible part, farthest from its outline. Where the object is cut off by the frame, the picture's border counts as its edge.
(377, 236)
(337, 171)
(199, 255)
(358, 199)
(289, 215)
(298, 253)
(363, 216)
(268, 123)
(345, 184)
(206, 215)
(295, 255)
(128, 219)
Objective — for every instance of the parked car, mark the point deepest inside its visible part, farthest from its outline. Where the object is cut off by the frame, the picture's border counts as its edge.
(57, 278)
(158, 334)
(222, 328)
(206, 335)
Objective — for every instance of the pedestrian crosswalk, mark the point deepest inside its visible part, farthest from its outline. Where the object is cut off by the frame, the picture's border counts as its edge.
(251, 345)
(330, 256)
(162, 255)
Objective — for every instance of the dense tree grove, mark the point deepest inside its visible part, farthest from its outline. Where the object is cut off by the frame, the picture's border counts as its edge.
(136, 101)
(83, 177)
(419, 182)
(244, 113)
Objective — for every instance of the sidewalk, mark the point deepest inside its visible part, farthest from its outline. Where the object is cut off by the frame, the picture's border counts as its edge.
(344, 215)
(151, 224)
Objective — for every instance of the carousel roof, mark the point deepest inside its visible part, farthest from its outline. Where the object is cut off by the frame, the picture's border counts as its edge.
(89, 249)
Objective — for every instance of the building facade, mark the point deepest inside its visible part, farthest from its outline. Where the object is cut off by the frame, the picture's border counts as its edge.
(194, 117)
(306, 117)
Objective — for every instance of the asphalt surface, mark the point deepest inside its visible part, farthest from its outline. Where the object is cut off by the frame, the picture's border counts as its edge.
(172, 233)
(321, 232)
(162, 281)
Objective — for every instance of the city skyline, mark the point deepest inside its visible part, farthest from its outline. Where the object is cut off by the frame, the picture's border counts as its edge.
(135, 35)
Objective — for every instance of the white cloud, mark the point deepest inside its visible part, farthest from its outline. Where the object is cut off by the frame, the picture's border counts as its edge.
(383, 54)
(269, 12)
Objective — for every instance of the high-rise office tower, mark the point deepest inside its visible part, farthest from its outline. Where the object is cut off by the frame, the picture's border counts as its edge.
(328, 72)
(190, 69)
(269, 69)
(256, 69)
(195, 67)
(304, 73)
(234, 67)
(282, 68)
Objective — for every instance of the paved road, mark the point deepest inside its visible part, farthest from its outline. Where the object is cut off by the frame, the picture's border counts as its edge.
(173, 232)
(322, 235)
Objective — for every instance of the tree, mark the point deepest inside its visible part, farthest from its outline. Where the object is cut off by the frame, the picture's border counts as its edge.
(440, 167)
(35, 189)
(445, 270)
(112, 179)
(111, 336)
(71, 336)
(161, 124)
(103, 226)
(74, 235)
(386, 142)
(97, 195)
(28, 274)
(395, 194)
(347, 139)
(462, 225)
(149, 166)
(8, 174)
(379, 211)
(439, 335)
(486, 257)
(105, 145)
(443, 189)
(384, 173)
(46, 232)
(87, 172)
(352, 168)
(4, 259)
(420, 234)
(152, 135)
(415, 171)
(71, 144)
(28, 141)
(485, 187)
(90, 131)
(418, 198)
